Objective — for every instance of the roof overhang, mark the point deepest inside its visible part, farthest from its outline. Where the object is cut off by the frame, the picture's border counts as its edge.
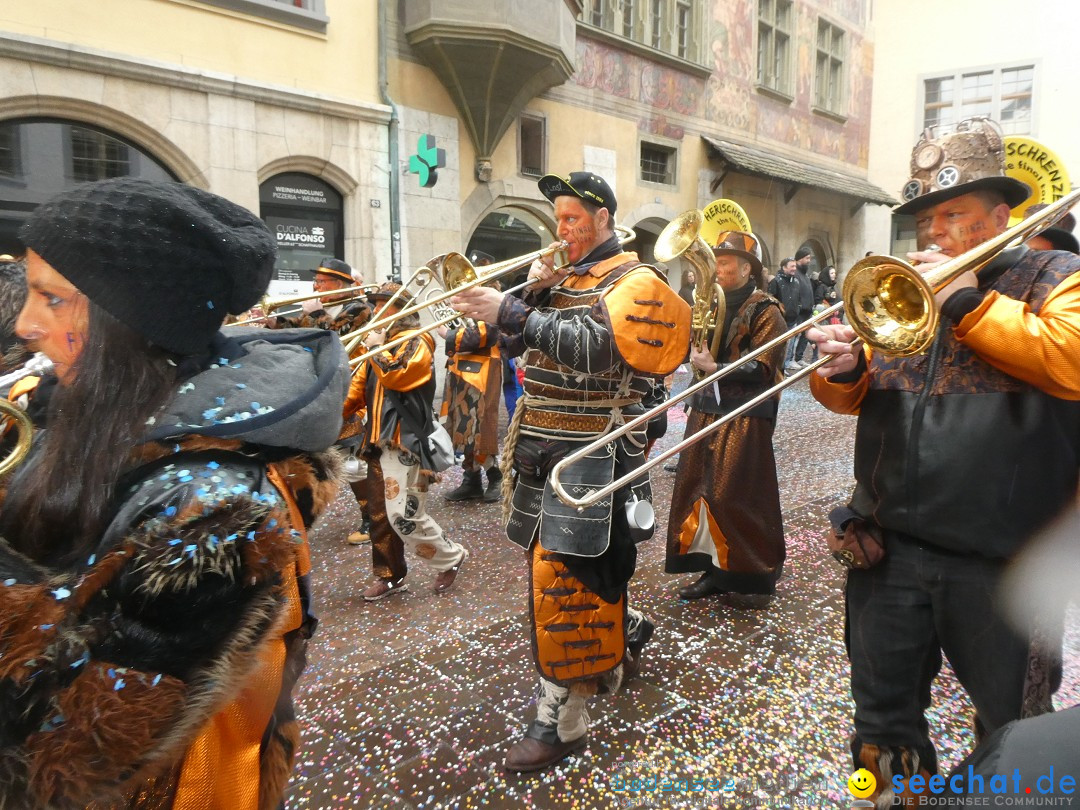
(755, 161)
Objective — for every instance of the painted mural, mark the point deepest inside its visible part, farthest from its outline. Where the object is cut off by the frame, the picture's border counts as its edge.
(732, 101)
(628, 76)
(728, 102)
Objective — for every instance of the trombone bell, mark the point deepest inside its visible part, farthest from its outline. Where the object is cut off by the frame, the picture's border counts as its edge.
(890, 304)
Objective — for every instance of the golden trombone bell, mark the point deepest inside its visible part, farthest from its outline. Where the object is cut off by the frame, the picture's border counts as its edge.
(889, 304)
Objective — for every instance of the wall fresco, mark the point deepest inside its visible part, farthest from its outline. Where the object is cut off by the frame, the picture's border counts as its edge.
(626, 75)
(728, 103)
(733, 103)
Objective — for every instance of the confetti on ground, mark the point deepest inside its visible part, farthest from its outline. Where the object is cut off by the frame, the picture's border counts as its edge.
(413, 700)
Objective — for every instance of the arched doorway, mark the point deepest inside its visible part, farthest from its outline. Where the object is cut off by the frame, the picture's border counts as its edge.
(820, 255)
(306, 217)
(506, 233)
(40, 157)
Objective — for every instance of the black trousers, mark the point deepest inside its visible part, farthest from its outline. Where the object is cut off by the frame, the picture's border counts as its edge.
(902, 615)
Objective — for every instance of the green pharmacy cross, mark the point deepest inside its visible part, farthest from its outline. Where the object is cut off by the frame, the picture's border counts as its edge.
(427, 160)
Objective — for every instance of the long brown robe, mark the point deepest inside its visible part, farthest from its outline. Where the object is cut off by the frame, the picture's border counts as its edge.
(725, 509)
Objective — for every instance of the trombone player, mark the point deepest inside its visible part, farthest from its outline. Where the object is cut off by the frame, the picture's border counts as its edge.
(595, 334)
(338, 313)
(961, 453)
(342, 314)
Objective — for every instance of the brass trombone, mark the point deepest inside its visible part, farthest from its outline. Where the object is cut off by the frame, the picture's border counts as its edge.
(270, 303)
(457, 274)
(889, 304)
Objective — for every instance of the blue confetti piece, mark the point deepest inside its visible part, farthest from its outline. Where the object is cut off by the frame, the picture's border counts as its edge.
(61, 593)
(170, 511)
(209, 304)
(9, 582)
(82, 660)
(186, 478)
(175, 541)
(213, 465)
(255, 406)
(111, 672)
(241, 386)
(92, 560)
(47, 626)
(220, 400)
(157, 680)
(118, 685)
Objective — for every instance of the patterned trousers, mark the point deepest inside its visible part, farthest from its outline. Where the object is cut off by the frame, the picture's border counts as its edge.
(397, 504)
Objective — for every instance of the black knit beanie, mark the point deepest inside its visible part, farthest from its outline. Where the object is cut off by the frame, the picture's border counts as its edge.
(166, 259)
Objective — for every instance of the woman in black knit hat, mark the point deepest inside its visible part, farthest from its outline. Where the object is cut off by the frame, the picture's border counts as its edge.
(153, 556)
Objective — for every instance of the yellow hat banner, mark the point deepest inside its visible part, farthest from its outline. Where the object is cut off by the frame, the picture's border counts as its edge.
(1030, 162)
(721, 216)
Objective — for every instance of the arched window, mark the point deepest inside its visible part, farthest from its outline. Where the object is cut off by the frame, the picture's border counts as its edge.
(305, 214)
(40, 157)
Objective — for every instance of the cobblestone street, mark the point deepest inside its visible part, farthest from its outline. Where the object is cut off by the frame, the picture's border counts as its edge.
(412, 701)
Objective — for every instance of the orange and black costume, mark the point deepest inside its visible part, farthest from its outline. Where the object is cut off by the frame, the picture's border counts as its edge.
(473, 391)
(961, 454)
(594, 343)
(725, 506)
(397, 386)
(158, 672)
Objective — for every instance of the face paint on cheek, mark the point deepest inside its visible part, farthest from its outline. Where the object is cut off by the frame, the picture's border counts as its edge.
(583, 233)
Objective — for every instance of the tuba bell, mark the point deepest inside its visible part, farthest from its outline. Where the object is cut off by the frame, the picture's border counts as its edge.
(682, 237)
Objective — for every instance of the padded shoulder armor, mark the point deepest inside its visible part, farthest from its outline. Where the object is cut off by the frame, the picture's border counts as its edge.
(649, 321)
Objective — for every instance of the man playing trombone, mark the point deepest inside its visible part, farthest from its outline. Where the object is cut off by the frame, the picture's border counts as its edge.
(596, 333)
(961, 453)
(344, 314)
(338, 313)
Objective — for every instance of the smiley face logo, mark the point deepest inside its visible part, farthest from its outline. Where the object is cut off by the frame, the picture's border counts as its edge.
(861, 783)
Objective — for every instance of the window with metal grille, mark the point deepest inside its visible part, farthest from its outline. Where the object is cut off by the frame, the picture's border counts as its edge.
(658, 163)
(97, 156)
(774, 45)
(829, 74)
(532, 144)
(1002, 94)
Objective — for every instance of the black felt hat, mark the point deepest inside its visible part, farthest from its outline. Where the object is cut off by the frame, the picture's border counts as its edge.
(584, 185)
(335, 268)
(1060, 234)
(166, 259)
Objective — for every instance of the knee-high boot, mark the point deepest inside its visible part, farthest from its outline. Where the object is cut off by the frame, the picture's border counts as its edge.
(560, 728)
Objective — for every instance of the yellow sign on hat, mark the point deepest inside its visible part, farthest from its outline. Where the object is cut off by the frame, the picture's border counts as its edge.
(1030, 162)
(720, 216)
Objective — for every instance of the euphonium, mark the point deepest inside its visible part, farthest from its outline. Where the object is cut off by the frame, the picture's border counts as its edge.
(681, 237)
